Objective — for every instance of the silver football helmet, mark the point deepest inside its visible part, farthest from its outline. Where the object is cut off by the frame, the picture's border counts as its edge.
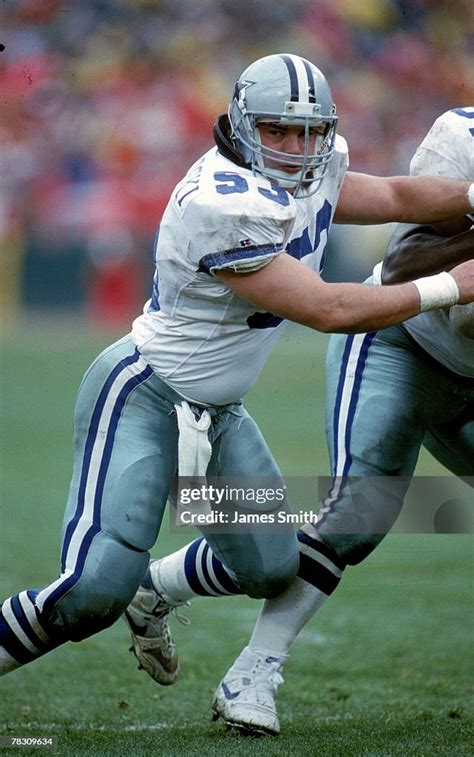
(287, 90)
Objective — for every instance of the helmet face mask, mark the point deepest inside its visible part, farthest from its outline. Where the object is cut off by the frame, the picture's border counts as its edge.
(285, 90)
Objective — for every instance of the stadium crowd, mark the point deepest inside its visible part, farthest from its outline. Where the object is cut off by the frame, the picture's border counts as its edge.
(105, 104)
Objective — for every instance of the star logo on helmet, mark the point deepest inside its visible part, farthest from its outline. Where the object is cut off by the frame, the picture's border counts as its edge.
(242, 86)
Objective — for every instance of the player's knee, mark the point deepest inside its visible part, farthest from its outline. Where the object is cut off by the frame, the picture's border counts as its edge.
(110, 578)
(355, 548)
(96, 602)
(93, 611)
(271, 582)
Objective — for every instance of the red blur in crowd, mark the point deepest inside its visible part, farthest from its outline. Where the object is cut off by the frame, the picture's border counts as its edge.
(105, 105)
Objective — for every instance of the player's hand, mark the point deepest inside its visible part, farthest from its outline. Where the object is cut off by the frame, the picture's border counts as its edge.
(463, 274)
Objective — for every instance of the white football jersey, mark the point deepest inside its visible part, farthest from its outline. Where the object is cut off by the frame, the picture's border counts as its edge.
(447, 150)
(195, 332)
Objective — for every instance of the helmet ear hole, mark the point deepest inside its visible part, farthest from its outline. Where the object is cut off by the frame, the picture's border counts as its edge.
(291, 91)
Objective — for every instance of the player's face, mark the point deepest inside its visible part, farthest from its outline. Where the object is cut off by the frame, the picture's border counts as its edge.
(288, 139)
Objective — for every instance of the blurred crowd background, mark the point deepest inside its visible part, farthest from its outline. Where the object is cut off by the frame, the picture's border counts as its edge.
(105, 103)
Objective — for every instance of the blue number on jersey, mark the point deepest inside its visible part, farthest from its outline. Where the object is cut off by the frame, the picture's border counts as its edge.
(230, 183)
(322, 224)
(302, 245)
(277, 194)
(154, 305)
(297, 248)
(465, 114)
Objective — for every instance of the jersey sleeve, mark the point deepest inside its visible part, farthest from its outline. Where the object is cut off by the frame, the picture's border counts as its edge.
(251, 246)
(240, 232)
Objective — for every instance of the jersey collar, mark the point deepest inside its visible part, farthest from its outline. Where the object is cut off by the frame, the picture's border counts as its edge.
(222, 138)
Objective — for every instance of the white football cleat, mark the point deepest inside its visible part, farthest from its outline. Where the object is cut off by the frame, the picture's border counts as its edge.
(245, 698)
(147, 617)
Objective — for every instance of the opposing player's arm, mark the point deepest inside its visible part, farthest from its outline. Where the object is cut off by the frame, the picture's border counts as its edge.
(420, 250)
(411, 199)
(287, 288)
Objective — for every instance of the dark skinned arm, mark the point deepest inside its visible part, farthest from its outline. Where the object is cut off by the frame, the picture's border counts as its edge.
(416, 250)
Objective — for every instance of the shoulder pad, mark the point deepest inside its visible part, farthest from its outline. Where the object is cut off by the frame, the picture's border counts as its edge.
(447, 149)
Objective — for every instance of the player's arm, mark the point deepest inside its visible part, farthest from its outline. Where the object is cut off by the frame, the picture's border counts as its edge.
(368, 199)
(419, 250)
(289, 289)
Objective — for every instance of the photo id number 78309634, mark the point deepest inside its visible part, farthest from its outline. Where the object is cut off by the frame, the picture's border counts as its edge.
(23, 742)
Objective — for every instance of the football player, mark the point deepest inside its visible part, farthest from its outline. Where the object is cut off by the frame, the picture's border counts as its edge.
(389, 392)
(239, 250)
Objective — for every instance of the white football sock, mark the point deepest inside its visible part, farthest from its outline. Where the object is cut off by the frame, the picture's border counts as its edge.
(169, 577)
(282, 618)
(192, 571)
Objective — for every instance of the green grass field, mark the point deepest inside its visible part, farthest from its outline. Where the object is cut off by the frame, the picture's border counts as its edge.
(385, 668)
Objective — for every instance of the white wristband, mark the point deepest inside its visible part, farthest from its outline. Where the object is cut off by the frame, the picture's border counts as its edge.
(470, 195)
(440, 291)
